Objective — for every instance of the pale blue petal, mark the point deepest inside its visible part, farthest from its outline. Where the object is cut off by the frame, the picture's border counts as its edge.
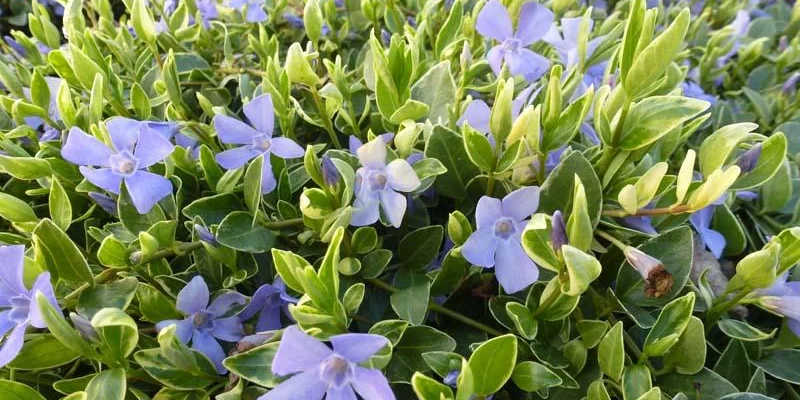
(358, 347)
(286, 148)
(305, 386)
(488, 211)
(713, 240)
(236, 157)
(6, 322)
(256, 14)
(480, 247)
(521, 203)
(494, 22)
(528, 64)
(371, 384)
(260, 113)
(193, 297)
(401, 176)
(513, 268)
(11, 269)
(124, 132)
(394, 206)
(223, 303)
(365, 213)
(152, 147)
(269, 319)
(534, 22)
(147, 189)
(12, 344)
(232, 131)
(83, 149)
(354, 143)
(268, 182)
(103, 178)
(342, 393)
(495, 59)
(41, 285)
(183, 328)
(477, 116)
(373, 153)
(206, 344)
(298, 352)
(258, 301)
(228, 329)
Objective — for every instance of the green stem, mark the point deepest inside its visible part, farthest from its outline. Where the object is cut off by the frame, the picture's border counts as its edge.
(721, 308)
(102, 277)
(282, 224)
(323, 113)
(612, 239)
(490, 184)
(652, 211)
(138, 258)
(546, 303)
(442, 310)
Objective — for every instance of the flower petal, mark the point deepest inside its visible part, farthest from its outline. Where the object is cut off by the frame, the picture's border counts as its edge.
(401, 176)
(183, 328)
(232, 131)
(394, 206)
(12, 269)
(521, 203)
(495, 59)
(152, 147)
(488, 211)
(124, 132)
(12, 344)
(193, 297)
(206, 344)
(528, 64)
(371, 384)
(480, 247)
(228, 329)
(306, 386)
(354, 143)
(494, 22)
(286, 148)
(166, 129)
(513, 268)
(147, 189)
(41, 285)
(298, 352)
(373, 153)
(258, 301)
(269, 319)
(534, 22)
(103, 178)
(477, 116)
(713, 240)
(236, 157)
(256, 14)
(83, 149)
(342, 393)
(365, 213)
(223, 303)
(358, 347)
(268, 182)
(6, 323)
(260, 113)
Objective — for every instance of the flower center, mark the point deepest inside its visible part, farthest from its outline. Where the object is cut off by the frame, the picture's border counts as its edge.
(202, 321)
(262, 143)
(124, 163)
(377, 180)
(511, 45)
(504, 228)
(336, 371)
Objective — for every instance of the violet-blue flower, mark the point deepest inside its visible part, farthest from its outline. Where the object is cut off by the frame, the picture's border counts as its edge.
(497, 241)
(790, 86)
(534, 22)
(695, 91)
(208, 11)
(565, 40)
(254, 11)
(204, 322)
(317, 370)
(20, 308)
(478, 112)
(783, 297)
(135, 148)
(377, 186)
(269, 301)
(257, 140)
(701, 221)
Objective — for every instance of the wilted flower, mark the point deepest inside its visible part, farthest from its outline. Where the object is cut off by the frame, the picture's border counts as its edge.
(558, 231)
(134, 150)
(205, 323)
(377, 186)
(317, 370)
(534, 22)
(255, 9)
(496, 242)
(20, 308)
(268, 302)
(657, 280)
(256, 141)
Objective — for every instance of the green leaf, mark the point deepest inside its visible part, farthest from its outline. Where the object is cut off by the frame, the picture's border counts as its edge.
(597, 391)
(18, 391)
(212, 210)
(705, 384)
(478, 149)
(688, 356)
(143, 22)
(118, 332)
(446, 146)
(531, 376)
(411, 303)
(410, 110)
(237, 232)
(252, 185)
(523, 319)
(61, 256)
(611, 353)
(495, 359)
(43, 352)
(427, 388)
(743, 331)
(407, 353)
(718, 146)
(673, 320)
(364, 240)
(154, 305)
(654, 117)
(60, 206)
(131, 218)
(579, 224)
(781, 364)
(255, 365)
(25, 168)
(561, 180)
(117, 294)
(13, 209)
(636, 381)
(108, 385)
(591, 331)
(61, 330)
(419, 248)
(374, 263)
(773, 153)
(450, 28)
(582, 268)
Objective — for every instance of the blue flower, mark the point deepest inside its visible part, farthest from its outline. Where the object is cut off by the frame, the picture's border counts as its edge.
(318, 371)
(497, 241)
(783, 297)
(205, 323)
(135, 148)
(268, 302)
(257, 140)
(254, 9)
(478, 113)
(566, 41)
(534, 22)
(377, 186)
(701, 221)
(18, 303)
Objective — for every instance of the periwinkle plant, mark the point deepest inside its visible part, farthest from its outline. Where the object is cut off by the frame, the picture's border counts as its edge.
(399, 199)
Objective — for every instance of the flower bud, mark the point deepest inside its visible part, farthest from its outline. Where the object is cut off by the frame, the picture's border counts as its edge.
(205, 235)
(251, 341)
(657, 280)
(790, 85)
(466, 57)
(298, 68)
(748, 160)
(329, 172)
(84, 327)
(558, 232)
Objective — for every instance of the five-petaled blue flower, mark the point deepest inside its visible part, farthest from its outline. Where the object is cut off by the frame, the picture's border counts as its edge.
(205, 323)
(497, 241)
(19, 305)
(255, 9)
(377, 186)
(256, 141)
(534, 22)
(317, 370)
(135, 148)
(268, 302)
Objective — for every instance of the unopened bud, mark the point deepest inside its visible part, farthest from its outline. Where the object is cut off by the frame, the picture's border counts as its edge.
(329, 172)
(657, 280)
(558, 232)
(136, 257)
(748, 160)
(84, 327)
(251, 341)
